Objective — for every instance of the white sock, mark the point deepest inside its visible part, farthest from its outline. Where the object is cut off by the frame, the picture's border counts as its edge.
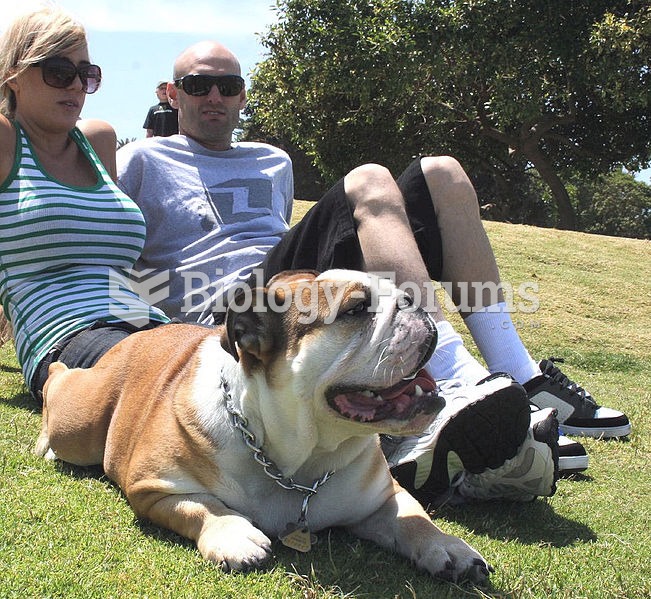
(499, 343)
(452, 360)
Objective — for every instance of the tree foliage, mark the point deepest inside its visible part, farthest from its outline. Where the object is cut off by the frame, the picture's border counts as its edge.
(613, 204)
(564, 87)
(124, 141)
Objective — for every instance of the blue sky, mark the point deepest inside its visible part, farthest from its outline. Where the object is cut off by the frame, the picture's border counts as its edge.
(136, 41)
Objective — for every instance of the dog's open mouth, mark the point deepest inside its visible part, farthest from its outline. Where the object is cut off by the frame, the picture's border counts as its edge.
(403, 401)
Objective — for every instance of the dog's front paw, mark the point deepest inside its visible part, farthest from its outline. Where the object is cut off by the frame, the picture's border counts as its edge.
(452, 559)
(234, 544)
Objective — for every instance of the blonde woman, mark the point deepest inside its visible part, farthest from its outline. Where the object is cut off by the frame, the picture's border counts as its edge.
(68, 235)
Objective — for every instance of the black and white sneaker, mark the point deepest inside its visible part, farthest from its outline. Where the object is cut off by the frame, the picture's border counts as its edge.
(578, 413)
(532, 473)
(572, 456)
(480, 427)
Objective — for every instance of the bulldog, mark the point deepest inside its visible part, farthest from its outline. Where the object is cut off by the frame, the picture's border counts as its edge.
(267, 426)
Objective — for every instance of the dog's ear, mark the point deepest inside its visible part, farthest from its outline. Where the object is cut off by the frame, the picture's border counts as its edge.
(244, 331)
(251, 325)
(289, 276)
(248, 327)
(228, 339)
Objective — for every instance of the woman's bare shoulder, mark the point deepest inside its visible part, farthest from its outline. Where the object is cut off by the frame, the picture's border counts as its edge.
(102, 137)
(7, 147)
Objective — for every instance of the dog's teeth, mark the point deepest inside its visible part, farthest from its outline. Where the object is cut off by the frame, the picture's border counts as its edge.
(367, 393)
(418, 391)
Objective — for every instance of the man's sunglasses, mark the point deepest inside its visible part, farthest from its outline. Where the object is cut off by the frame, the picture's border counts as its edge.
(60, 73)
(200, 85)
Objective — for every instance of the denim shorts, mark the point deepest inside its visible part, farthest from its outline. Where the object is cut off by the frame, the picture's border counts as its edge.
(82, 349)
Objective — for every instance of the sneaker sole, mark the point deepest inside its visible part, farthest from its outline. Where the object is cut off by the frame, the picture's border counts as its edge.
(483, 434)
(572, 464)
(504, 416)
(533, 473)
(597, 433)
(546, 432)
(572, 457)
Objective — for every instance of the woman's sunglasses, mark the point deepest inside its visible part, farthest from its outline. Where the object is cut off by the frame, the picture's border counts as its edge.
(200, 85)
(60, 73)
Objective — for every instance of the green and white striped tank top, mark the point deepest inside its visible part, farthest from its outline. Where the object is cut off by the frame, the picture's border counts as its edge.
(64, 254)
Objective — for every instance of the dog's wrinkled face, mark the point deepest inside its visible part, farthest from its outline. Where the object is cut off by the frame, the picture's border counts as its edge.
(349, 339)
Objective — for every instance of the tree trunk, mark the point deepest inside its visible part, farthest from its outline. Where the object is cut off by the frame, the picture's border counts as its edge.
(527, 146)
(566, 214)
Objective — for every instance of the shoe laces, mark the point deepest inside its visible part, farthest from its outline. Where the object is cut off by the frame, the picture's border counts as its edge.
(554, 373)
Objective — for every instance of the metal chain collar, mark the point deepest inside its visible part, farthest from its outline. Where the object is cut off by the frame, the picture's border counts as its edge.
(240, 422)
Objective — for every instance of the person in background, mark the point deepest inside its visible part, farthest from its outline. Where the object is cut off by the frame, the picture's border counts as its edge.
(69, 234)
(162, 119)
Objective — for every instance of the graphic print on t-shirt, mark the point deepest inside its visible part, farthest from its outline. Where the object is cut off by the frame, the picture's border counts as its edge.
(240, 200)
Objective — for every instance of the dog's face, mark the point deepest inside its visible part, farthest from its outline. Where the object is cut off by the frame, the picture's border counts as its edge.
(349, 344)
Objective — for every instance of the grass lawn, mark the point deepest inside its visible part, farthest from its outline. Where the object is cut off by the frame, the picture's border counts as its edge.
(68, 532)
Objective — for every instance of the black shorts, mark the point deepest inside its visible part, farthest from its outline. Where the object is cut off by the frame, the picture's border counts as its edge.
(326, 237)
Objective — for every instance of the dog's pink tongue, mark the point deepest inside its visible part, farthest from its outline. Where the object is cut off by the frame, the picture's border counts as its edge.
(363, 407)
(357, 406)
(422, 379)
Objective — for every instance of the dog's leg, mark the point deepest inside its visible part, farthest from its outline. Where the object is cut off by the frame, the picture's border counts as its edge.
(73, 429)
(402, 525)
(223, 536)
(42, 447)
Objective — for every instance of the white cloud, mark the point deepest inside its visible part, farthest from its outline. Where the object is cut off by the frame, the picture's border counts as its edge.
(191, 16)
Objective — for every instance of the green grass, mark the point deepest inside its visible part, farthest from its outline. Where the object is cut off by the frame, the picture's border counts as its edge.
(68, 532)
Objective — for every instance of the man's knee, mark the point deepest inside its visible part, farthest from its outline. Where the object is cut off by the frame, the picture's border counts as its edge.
(448, 183)
(367, 177)
(442, 166)
(371, 189)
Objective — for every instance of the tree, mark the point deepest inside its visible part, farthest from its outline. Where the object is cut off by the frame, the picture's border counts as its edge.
(564, 87)
(613, 204)
(125, 141)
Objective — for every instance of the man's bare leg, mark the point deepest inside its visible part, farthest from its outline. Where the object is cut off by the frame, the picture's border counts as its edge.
(388, 245)
(468, 258)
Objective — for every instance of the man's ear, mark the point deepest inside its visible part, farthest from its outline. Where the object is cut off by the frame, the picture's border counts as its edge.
(172, 95)
(243, 98)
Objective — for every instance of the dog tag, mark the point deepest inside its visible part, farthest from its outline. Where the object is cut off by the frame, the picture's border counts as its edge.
(298, 537)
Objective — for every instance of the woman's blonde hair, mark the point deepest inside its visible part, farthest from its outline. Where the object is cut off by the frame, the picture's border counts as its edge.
(31, 38)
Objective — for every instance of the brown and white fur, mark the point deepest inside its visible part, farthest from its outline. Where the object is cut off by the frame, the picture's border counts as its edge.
(153, 412)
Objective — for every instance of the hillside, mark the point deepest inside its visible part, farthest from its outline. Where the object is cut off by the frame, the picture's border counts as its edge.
(68, 532)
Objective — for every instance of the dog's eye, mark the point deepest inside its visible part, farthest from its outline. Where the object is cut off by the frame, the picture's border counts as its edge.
(405, 302)
(358, 308)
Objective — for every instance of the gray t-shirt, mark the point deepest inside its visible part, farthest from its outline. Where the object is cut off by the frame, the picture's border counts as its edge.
(211, 217)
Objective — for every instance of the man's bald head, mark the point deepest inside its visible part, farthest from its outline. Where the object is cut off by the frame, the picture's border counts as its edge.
(211, 117)
(206, 52)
